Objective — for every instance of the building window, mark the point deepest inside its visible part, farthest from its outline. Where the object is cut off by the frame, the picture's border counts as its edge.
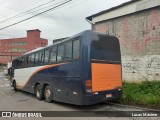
(17, 43)
(14, 50)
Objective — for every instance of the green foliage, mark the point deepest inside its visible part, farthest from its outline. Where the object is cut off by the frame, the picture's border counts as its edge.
(146, 94)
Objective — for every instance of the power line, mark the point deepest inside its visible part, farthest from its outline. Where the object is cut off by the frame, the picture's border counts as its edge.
(69, 5)
(29, 11)
(12, 6)
(36, 15)
(18, 15)
(73, 5)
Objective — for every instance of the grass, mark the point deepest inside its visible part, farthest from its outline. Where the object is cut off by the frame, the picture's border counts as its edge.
(146, 94)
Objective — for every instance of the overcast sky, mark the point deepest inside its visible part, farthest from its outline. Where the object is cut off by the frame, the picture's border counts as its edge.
(61, 22)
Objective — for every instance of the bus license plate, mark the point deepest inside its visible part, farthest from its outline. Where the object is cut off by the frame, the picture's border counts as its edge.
(108, 95)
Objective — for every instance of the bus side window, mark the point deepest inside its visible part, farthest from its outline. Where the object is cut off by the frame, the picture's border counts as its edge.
(29, 60)
(53, 54)
(46, 58)
(26, 60)
(76, 49)
(41, 57)
(19, 63)
(60, 55)
(16, 63)
(32, 59)
(36, 58)
(23, 61)
(68, 51)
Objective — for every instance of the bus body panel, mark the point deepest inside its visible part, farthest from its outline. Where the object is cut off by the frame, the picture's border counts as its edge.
(23, 75)
(65, 83)
(102, 96)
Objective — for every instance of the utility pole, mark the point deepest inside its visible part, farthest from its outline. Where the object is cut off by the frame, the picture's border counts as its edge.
(11, 49)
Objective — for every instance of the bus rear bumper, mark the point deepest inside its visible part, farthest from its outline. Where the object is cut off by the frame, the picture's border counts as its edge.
(104, 96)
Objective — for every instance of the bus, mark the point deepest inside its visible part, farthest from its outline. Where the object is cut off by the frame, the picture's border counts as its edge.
(83, 69)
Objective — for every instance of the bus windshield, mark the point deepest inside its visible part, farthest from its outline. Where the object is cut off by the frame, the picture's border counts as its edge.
(105, 47)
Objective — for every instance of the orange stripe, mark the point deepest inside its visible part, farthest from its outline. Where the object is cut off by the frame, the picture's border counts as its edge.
(19, 86)
(45, 67)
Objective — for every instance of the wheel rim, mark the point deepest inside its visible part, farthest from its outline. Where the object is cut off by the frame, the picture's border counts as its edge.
(47, 93)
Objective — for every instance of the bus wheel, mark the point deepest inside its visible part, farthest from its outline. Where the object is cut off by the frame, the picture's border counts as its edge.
(39, 92)
(48, 94)
(14, 86)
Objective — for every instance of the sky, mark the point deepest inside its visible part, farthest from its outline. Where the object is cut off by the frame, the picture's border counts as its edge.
(63, 21)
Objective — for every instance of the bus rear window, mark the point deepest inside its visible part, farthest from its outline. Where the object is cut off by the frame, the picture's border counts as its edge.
(105, 47)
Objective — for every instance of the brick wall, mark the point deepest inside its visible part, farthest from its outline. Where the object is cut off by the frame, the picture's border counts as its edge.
(139, 36)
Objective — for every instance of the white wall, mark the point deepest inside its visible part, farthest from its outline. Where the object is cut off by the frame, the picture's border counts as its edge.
(139, 68)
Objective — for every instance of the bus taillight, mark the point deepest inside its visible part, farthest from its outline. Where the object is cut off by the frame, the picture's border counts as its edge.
(88, 85)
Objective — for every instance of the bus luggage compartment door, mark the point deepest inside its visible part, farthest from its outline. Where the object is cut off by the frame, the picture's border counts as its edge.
(105, 76)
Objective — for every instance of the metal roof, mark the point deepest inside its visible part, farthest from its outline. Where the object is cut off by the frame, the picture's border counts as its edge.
(113, 8)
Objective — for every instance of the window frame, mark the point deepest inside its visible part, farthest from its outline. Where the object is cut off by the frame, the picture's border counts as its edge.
(61, 44)
(24, 61)
(47, 49)
(78, 38)
(70, 41)
(41, 60)
(36, 61)
(56, 51)
(19, 62)
(30, 63)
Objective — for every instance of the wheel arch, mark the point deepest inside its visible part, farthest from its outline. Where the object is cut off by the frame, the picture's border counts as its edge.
(45, 85)
(37, 83)
(12, 82)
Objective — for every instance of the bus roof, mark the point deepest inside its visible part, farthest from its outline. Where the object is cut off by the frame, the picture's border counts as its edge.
(34, 50)
(74, 36)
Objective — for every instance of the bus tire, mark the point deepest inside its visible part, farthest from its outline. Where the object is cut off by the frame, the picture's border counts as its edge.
(39, 92)
(14, 86)
(48, 94)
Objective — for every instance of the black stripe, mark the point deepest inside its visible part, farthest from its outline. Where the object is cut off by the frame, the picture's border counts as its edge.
(106, 61)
